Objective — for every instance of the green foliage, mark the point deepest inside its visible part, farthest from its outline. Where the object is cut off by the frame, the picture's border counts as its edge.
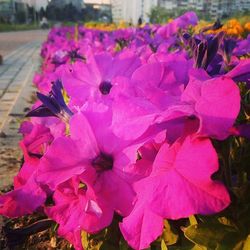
(108, 239)
(211, 235)
(170, 234)
(162, 15)
(17, 27)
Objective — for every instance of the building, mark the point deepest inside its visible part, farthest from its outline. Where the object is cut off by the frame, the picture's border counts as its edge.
(241, 5)
(131, 10)
(168, 4)
(37, 4)
(220, 8)
(79, 4)
(98, 11)
(12, 11)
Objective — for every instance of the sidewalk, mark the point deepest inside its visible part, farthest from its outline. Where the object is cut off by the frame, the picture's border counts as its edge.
(10, 41)
(16, 89)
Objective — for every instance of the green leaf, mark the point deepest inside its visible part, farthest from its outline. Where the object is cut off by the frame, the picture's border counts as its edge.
(232, 241)
(225, 221)
(124, 245)
(197, 247)
(192, 220)
(107, 246)
(208, 235)
(169, 236)
(247, 243)
(163, 245)
(84, 238)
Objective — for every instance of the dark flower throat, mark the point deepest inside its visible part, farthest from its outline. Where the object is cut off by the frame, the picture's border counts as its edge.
(105, 87)
(103, 162)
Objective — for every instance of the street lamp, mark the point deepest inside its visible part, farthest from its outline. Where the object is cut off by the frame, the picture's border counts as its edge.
(34, 11)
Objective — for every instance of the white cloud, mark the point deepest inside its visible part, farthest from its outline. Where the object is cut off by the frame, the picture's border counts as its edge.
(97, 1)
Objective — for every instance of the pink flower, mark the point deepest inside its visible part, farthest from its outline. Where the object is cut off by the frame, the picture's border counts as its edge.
(180, 185)
(98, 151)
(27, 195)
(97, 77)
(78, 209)
(211, 101)
(170, 29)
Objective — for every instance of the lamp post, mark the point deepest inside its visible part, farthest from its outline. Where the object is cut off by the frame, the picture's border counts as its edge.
(13, 11)
(142, 10)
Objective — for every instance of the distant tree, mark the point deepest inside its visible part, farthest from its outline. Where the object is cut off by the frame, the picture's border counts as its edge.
(51, 12)
(89, 13)
(59, 14)
(31, 13)
(42, 13)
(160, 15)
(70, 12)
(21, 16)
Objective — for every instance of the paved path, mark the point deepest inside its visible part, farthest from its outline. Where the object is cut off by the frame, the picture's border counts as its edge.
(15, 93)
(10, 41)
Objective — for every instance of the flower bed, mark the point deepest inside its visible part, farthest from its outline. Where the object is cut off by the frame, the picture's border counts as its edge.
(138, 136)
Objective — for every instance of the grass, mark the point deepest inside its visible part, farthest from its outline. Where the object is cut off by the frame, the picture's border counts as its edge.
(17, 27)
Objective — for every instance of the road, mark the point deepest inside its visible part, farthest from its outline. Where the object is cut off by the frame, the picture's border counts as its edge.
(10, 41)
(21, 59)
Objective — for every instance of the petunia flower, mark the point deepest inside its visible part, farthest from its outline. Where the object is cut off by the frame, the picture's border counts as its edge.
(96, 78)
(96, 150)
(52, 105)
(180, 185)
(27, 195)
(77, 209)
(211, 99)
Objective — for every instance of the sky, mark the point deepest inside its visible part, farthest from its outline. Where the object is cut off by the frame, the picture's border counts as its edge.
(97, 1)
(37, 3)
(43, 3)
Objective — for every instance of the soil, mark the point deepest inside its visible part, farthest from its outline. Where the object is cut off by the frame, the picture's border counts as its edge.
(33, 232)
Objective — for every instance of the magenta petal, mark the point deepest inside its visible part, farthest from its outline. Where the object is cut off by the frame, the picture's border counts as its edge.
(241, 73)
(150, 74)
(81, 130)
(184, 171)
(132, 114)
(23, 200)
(212, 99)
(125, 64)
(117, 192)
(62, 161)
(218, 96)
(242, 130)
(141, 227)
(76, 209)
(104, 64)
(180, 185)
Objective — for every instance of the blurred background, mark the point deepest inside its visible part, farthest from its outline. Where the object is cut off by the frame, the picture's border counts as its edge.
(27, 14)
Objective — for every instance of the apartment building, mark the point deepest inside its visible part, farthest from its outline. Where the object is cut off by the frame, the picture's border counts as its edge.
(200, 5)
(241, 5)
(168, 4)
(131, 10)
(61, 3)
(8, 9)
(219, 8)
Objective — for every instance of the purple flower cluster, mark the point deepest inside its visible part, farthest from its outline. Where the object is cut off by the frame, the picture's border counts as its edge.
(124, 124)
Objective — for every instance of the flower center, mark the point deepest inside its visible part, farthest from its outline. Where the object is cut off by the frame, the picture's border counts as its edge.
(105, 87)
(103, 162)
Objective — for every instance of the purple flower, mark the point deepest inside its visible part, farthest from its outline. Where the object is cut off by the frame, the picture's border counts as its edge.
(52, 105)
